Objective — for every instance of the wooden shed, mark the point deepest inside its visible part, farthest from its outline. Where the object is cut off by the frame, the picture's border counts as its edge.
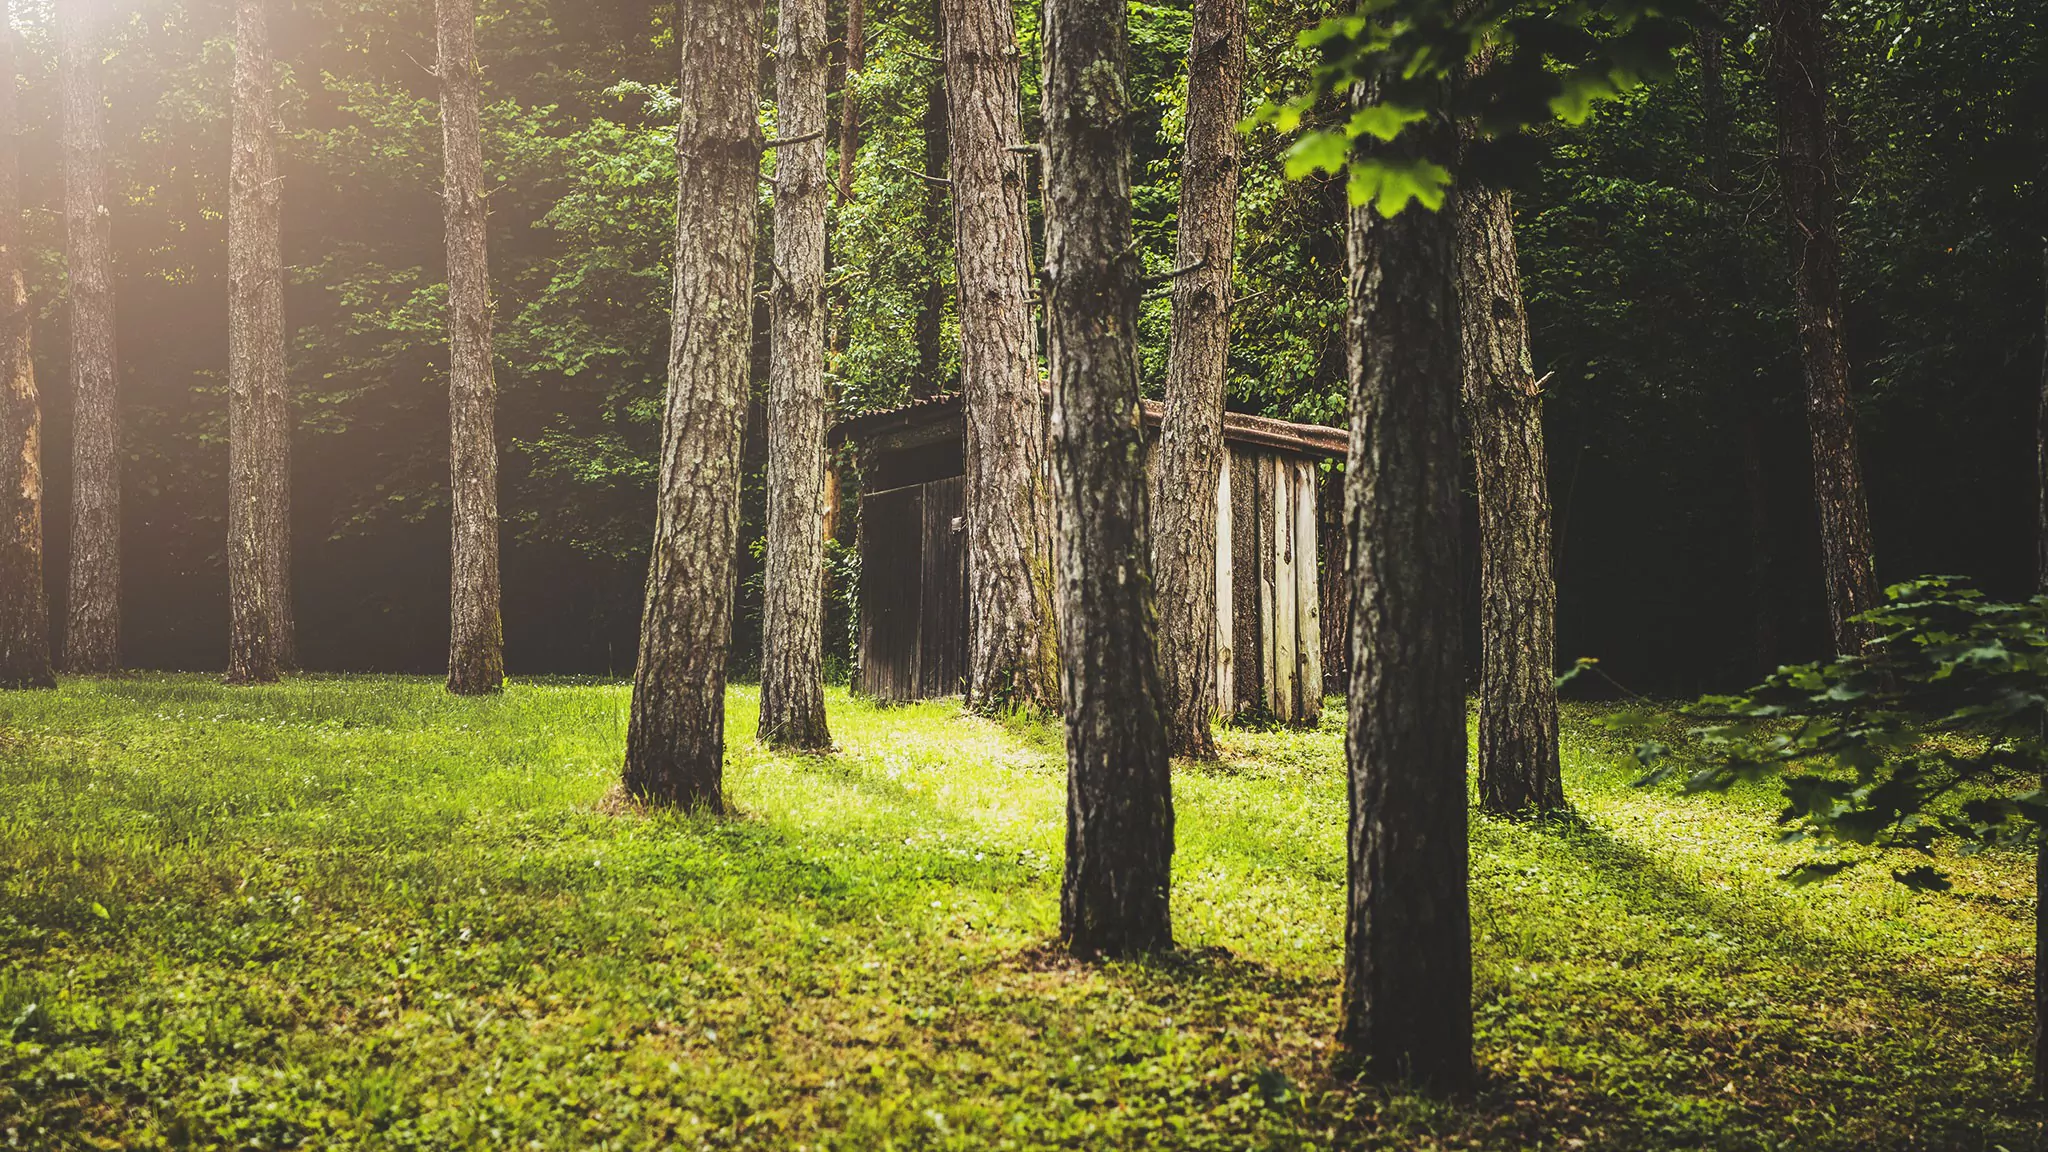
(1269, 568)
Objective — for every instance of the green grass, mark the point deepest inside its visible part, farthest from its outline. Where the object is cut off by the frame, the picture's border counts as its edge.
(357, 913)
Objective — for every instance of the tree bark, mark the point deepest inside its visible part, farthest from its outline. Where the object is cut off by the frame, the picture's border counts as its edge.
(24, 612)
(1115, 899)
(476, 630)
(92, 627)
(1013, 659)
(1407, 999)
(259, 438)
(675, 741)
(1191, 433)
(1806, 172)
(1518, 760)
(849, 102)
(792, 629)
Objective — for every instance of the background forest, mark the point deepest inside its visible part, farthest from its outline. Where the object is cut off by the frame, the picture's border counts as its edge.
(1657, 275)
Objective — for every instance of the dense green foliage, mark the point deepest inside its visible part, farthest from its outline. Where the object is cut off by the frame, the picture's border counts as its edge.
(1656, 275)
(1941, 731)
(359, 913)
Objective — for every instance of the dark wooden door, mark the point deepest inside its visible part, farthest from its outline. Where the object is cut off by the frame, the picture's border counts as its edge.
(891, 567)
(942, 617)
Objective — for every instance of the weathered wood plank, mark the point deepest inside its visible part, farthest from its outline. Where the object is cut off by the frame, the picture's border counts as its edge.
(1268, 572)
(1286, 649)
(1307, 599)
(1248, 639)
(1225, 604)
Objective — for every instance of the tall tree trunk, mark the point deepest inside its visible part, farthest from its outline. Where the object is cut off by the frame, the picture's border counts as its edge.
(792, 630)
(931, 311)
(849, 103)
(24, 613)
(675, 742)
(476, 630)
(1407, 1001)
(1191, 435)
(1012, 659)
(1518, 762)
(1806, 172)
(92, 626)
(1709, 45)
(1119, 871)
(259, 646)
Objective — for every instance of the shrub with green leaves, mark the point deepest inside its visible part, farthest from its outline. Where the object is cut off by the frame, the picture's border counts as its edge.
(1935, 733)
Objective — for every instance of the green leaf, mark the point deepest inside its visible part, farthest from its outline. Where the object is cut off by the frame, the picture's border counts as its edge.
(1389, 185)
(1317, 152)
(100, 910)
(1577, 94)
(1382, 121)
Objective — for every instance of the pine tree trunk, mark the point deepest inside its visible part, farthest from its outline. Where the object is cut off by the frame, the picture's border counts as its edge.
(259, 643)
(1806, 172)
(24, 613)
(1518, 761)
(476, 631)
(92, 626)
(849, 103)
(1012, 659)
(1191, 434)
(675, 742)
(792, 629)
(1407, 1000)
(1115, 899)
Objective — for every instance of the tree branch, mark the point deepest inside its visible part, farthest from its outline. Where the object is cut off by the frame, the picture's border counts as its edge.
(806, 138)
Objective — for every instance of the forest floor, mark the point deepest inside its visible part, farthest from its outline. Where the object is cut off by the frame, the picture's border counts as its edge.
(357, 913)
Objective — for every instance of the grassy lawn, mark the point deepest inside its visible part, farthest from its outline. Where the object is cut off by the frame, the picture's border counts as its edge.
(356, 913)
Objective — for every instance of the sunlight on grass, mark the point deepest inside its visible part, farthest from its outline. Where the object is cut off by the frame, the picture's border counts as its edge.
(361, 913)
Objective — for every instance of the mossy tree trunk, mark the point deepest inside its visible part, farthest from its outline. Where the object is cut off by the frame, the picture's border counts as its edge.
(675, 740)
(1407, 998)
(1115, 898)
(476, 631)
(24, 610)
(1012, 654)
(792, 627)
(92, 618)
(1191, 434)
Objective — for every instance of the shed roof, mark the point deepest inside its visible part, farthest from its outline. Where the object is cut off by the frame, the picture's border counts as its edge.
(922, 421)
